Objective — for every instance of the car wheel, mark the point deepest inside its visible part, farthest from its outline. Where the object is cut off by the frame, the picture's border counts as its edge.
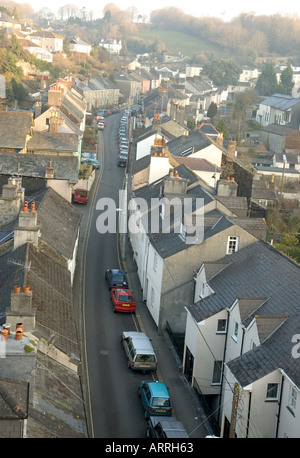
(148, 432)
(146, 415)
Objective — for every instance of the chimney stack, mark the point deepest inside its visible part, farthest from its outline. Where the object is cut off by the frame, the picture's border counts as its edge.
(49, 172)
(27, 230)
(21, 312)
(227, 188)
(55, 96)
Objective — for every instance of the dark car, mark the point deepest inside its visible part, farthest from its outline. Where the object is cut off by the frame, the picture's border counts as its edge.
(122, 161)
(116, 278)
(165, 428)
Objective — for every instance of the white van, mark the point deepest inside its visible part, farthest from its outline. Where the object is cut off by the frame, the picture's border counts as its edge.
(139, 351)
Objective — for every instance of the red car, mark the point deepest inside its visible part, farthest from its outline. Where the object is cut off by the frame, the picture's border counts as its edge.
(123, 300)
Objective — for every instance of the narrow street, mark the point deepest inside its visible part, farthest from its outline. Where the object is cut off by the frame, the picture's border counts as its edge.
(112, 405)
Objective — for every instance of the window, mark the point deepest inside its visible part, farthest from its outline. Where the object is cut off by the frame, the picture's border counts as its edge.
(292, 400)
(221, 326)
(217, 372)
(232, 245)
(235, 330)
(272, 391)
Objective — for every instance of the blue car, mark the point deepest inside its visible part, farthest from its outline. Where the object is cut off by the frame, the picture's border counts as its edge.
(155, 399)
(116, 278)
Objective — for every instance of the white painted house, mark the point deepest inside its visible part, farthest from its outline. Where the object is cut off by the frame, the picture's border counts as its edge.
(241, 342)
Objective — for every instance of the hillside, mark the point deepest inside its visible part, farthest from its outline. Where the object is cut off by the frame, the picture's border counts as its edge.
(178, 42)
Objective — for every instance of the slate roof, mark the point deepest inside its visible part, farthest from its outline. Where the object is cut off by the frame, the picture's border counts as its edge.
(282, 102)
(15, 126)
(197, 163)
(14, 399)
(277, 129)
(65, 167)
(58, 141)
(259, 271)
(167, 244)
(59, 223)
(186, 145)
(11, 274)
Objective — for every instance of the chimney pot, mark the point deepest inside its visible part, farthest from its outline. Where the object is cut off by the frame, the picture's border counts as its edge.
(26, 289)
(25, 207)
(17, 289)
(32, 207)
(4, 334)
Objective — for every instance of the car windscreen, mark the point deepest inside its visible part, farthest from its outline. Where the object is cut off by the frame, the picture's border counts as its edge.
(118, 278)
(145, 359)
(161, 402)
(125, 298)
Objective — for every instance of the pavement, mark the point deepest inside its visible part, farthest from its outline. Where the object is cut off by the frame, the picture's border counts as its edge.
(187, 406)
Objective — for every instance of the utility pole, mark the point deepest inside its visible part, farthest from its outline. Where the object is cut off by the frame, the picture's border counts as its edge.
(235, 403)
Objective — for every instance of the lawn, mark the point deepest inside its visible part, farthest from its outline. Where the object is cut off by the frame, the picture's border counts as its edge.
(179, 43)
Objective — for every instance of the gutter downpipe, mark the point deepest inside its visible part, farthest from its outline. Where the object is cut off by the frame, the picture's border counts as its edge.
(222, 378)
(248, 416)
(279, 407)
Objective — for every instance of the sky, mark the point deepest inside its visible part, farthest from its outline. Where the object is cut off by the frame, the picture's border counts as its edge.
(225, 10)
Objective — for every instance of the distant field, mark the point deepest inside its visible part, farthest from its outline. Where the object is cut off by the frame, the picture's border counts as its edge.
(177, 42)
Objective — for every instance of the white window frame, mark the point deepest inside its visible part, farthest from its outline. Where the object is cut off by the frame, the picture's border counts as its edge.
(292, 399)
(235, 331)
(232, 244)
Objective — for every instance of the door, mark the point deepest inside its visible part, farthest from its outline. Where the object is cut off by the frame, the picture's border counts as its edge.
(188, 365)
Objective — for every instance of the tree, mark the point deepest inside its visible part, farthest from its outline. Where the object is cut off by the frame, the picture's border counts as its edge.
(242, 101)
(212, 110)
(222, 72)
(66, 45)
(222, 128)
(286, 81)
(267, 82)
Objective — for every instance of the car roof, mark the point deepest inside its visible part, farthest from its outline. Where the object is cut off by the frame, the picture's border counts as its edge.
(172, 427)
(140, 341)
(158, 389)
(117, 271)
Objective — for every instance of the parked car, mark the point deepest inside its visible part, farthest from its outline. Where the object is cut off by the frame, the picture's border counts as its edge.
(122, 161)
(165, 428)
(155, 399)
(101, 126)
(80, 196)
(93, 162)
(87, 155)
(139, 351)
(122, 300)
(116, 278)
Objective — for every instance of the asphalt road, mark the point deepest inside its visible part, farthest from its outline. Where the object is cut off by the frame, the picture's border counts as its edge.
(116, 411)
